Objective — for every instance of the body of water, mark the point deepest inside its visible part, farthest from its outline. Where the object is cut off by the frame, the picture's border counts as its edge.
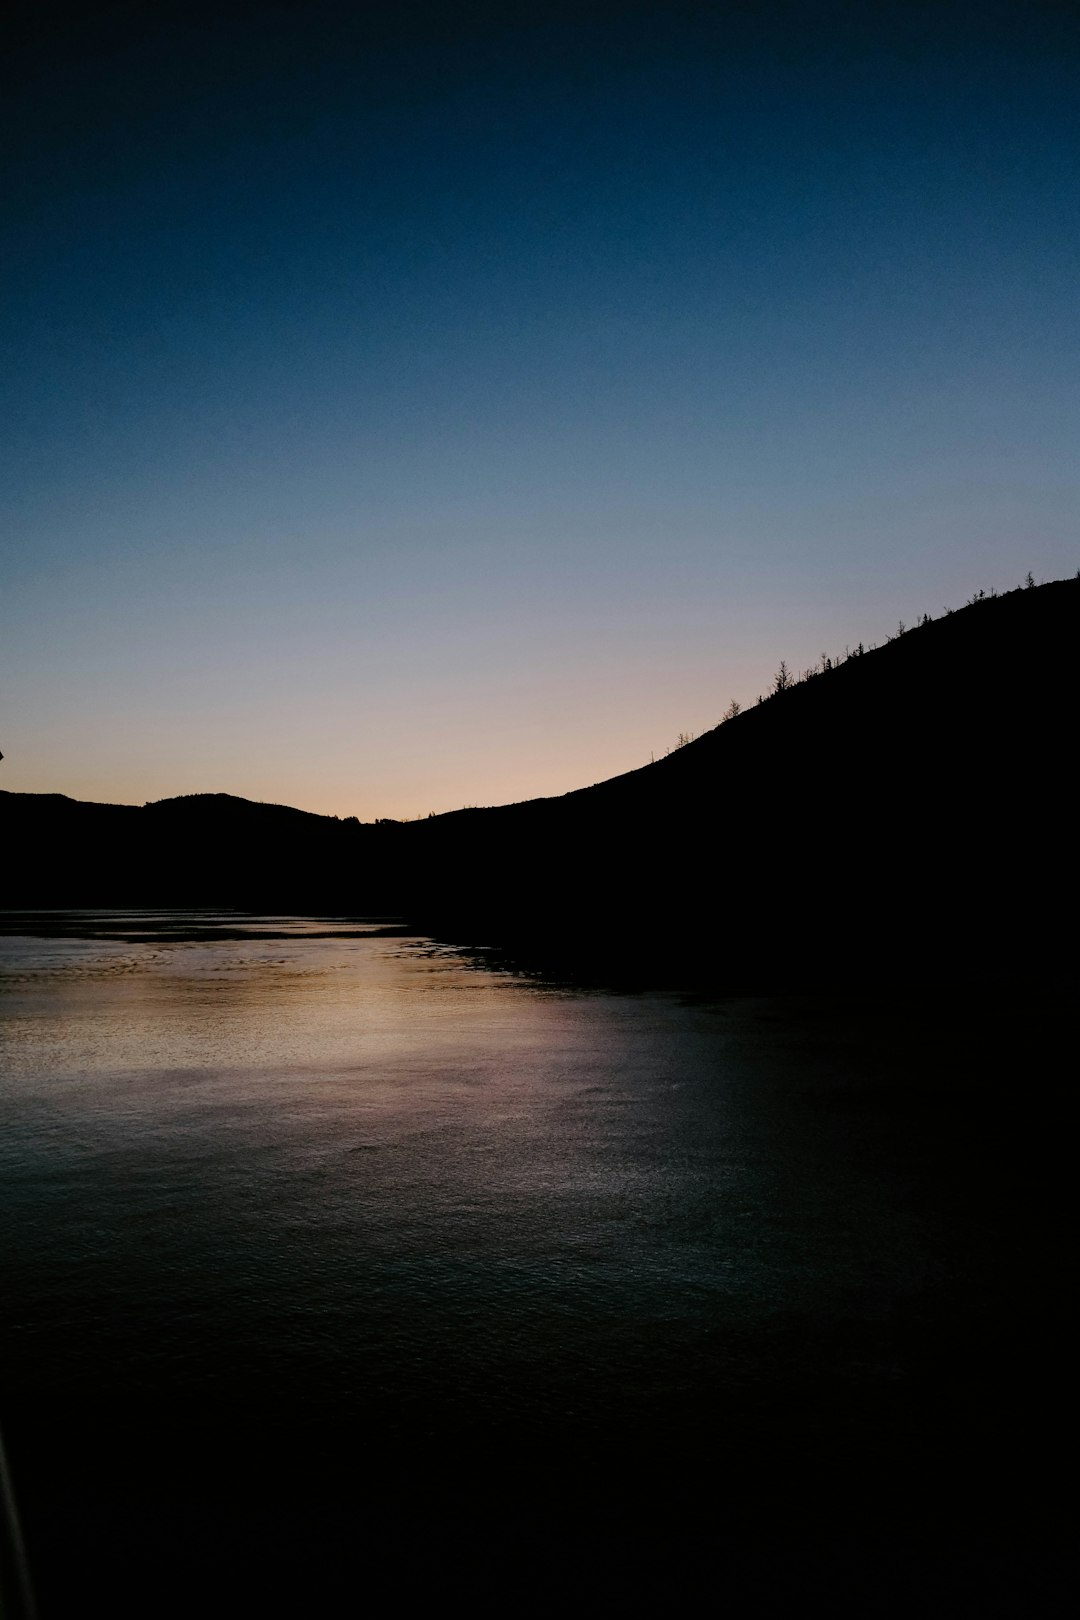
(337, 1261)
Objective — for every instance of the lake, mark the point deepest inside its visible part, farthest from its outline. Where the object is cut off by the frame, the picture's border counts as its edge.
(341, 1261)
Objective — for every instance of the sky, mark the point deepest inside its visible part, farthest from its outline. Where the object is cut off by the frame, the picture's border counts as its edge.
(416, 406)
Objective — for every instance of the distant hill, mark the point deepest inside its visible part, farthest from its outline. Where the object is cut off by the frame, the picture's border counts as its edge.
(909, 810)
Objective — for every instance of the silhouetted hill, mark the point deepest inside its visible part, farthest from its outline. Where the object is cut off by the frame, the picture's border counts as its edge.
(912, 804)
(905, 811)
(200, 849)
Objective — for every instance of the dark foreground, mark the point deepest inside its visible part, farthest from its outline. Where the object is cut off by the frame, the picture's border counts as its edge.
(616, 1302)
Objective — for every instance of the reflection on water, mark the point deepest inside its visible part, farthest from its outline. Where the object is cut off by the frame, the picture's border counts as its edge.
(342, 1184)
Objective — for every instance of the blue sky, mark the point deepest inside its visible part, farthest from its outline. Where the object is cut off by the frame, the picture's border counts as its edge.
(447, 406)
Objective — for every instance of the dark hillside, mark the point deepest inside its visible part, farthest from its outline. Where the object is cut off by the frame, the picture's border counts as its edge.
(908, 810)
(912, 805)
(206, 849)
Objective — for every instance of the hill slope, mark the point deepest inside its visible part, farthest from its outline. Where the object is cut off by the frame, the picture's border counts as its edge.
(913, 802)
(908, 809)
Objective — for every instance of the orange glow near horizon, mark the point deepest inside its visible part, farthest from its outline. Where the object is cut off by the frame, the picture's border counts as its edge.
(338, 742)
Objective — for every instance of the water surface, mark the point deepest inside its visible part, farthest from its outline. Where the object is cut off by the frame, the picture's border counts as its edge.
(315, 1225)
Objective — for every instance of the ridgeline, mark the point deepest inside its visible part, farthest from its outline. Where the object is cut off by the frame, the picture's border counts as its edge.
(906, 810)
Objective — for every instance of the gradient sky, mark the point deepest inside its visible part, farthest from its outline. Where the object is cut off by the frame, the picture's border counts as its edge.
(422, 406)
